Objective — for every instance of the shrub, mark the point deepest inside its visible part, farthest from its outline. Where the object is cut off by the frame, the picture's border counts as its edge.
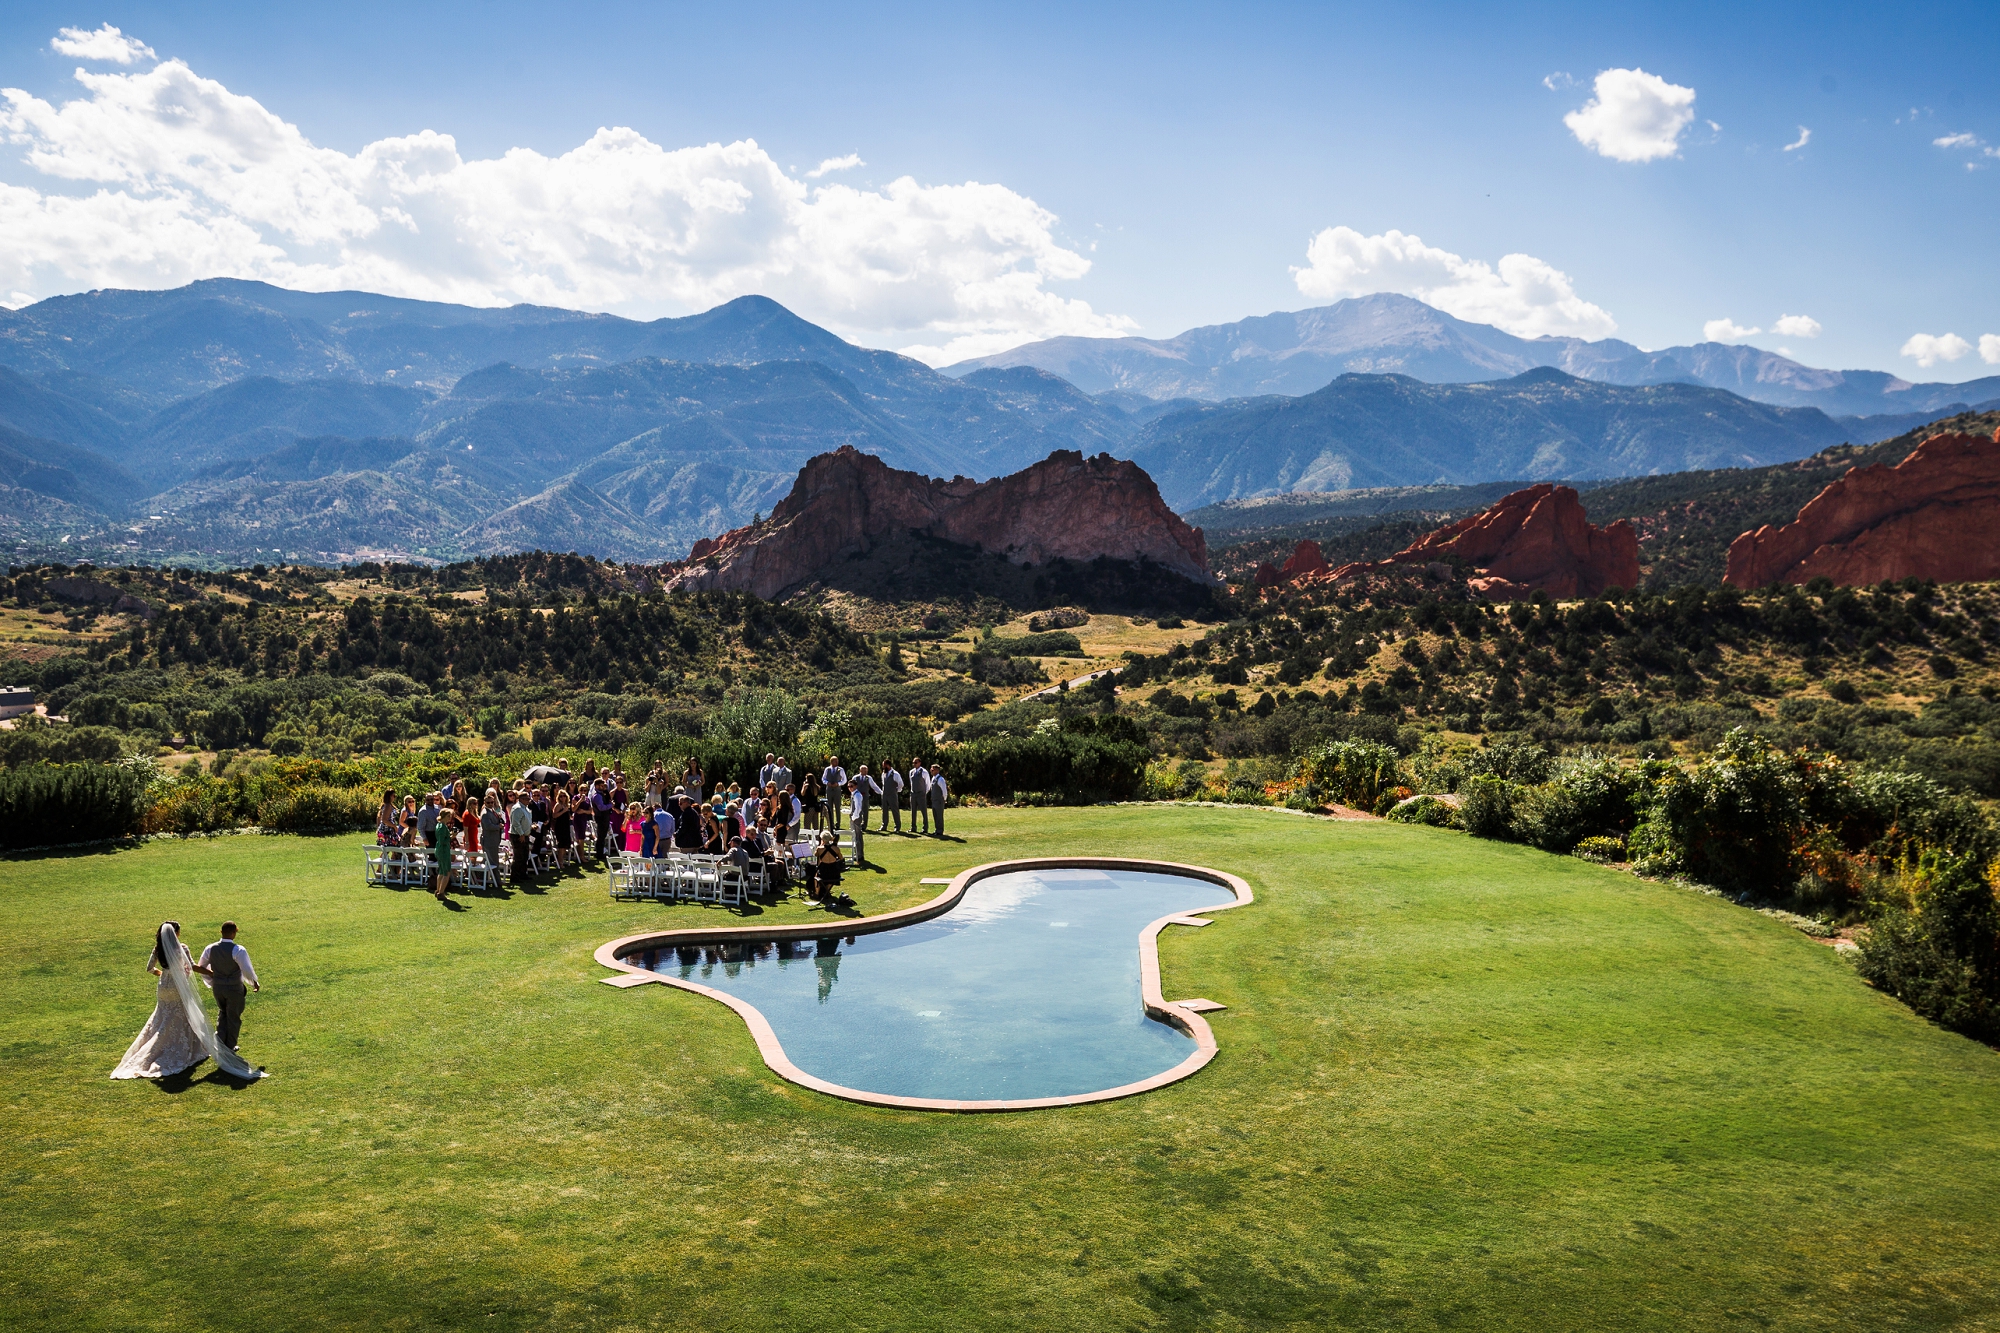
(512, 744)
(1354, 773)
(33, 741)
(194, 805)
(1424, 810)
(1938, 950)
(1736, 818)
(1054, 643)
(941, 699)
(1487, 810)
(1082, 766)
(317, 807)
(47, 804)
(1600, 848)
(1513, 761)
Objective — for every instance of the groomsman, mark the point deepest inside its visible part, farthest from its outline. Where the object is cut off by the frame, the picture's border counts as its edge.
(920, 797)
(833, 781)
(939, 795)
(892, 796)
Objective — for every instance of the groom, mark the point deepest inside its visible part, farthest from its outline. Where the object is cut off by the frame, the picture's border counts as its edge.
(226, 964)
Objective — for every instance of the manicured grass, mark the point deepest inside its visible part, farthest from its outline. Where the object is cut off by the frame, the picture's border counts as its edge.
(1461, 1085)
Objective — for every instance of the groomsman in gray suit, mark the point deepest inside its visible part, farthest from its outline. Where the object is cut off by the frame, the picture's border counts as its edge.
(892, 796)
(939, 794)
(920, 797)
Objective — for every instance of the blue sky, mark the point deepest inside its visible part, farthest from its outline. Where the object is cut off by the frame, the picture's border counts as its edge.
(1149, 168)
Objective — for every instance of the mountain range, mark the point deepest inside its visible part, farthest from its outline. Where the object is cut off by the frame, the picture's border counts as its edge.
(1299, 351)
(233, 421)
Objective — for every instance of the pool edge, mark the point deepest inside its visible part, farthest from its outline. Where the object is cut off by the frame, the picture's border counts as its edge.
(612, 954)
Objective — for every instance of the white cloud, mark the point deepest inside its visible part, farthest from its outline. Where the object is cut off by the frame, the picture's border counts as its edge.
(1956, 141)
(1927, 350)
(1796, 326)
(1524, 296)
(848, 162)
(1805, 137)
(107, 43)
(1558, 82)
(158, 177)
(1635, 116)
(1725, 330)
(1989, 348)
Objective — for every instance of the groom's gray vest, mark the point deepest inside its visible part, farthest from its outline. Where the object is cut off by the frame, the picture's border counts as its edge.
(222, 962)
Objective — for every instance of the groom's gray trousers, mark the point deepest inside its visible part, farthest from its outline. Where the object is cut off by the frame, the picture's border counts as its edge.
(229, 1015)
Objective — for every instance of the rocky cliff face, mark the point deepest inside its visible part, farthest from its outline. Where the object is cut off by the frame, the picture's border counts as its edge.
(1935, 515)
(1064, 507)
(1534, 539)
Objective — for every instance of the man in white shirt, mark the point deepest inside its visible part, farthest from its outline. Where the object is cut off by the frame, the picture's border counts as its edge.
(834, 780)
(226, 964)
(920, 797)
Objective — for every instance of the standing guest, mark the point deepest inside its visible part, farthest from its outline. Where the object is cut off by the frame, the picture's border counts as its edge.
(589, 771)
(920, 797)
(768, 772)
(634, 828)
(601, 813)
(563, 825)
(687, 824)
(410, 816)
(810, 802)
(655, 787)
(441, 835)
(783, 777)
(663, 830)
(858, 814)
(226, 964)
(711, 831)
(940, 793)
(752, 803)
(492, 828)
(427, 823)
(581, 815)
(468, 822)
(834, 779)
(388, 827)
(892, 796)
(691, 780)
(540, 803)
(795, 814)
(520, 823)
(619, 796)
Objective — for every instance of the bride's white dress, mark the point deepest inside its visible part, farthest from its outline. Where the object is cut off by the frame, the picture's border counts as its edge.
(178, 1036)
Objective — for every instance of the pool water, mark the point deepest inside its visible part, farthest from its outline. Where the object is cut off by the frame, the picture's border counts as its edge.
(1029, 987)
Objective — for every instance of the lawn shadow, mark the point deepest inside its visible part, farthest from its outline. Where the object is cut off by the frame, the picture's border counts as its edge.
(175, 1084)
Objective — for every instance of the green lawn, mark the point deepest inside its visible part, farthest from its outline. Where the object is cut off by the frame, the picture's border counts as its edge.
(1461, 1085)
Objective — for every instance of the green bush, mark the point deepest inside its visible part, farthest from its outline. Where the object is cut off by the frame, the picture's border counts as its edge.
(33, 741)
(318, 807)
(1736, 818)
(1487, 809)
(1083, 767)
(941, 699)
(1053, 643)
(196, 805)
(49, 804)
(1354, 773)
(1938, 950)
(1424, 810)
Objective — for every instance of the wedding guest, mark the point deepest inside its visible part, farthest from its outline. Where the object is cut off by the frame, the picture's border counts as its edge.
(492, 828)
(691, 780)
(468, 820)
(388, 827)
(833, 778)
(562, 824)
(520, 825)
(940, 793)
(892, 796)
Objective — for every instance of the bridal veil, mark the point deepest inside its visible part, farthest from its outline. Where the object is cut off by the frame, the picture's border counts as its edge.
(228, 1061)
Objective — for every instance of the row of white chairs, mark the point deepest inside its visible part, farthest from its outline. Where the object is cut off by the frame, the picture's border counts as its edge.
(413, 867)
(685, 877)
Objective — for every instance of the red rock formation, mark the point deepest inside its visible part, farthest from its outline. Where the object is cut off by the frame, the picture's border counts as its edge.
(1064, 507)
(1536, 538)
(1306, 559)
(1267, 575)
(1935, 515)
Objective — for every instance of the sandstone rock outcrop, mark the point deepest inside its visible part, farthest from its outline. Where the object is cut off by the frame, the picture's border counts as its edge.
(1305, 560)
(1935, 515)
(1536, 538)
(1064, 507)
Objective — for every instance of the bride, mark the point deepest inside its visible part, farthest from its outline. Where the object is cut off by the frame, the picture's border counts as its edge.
(178, 1036)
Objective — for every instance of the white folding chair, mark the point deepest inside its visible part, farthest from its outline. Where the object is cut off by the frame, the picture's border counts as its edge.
(729, 883)
(378, 870)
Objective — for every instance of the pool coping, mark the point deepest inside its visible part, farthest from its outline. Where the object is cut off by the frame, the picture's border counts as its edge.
(612, 954)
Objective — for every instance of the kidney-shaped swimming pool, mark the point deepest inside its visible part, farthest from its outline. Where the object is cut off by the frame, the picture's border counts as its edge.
(1029, 987)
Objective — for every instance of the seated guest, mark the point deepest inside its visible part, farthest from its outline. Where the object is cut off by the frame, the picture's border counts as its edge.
(828, 864)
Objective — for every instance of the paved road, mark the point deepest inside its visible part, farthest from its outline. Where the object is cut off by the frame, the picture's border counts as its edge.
(1080, 680)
